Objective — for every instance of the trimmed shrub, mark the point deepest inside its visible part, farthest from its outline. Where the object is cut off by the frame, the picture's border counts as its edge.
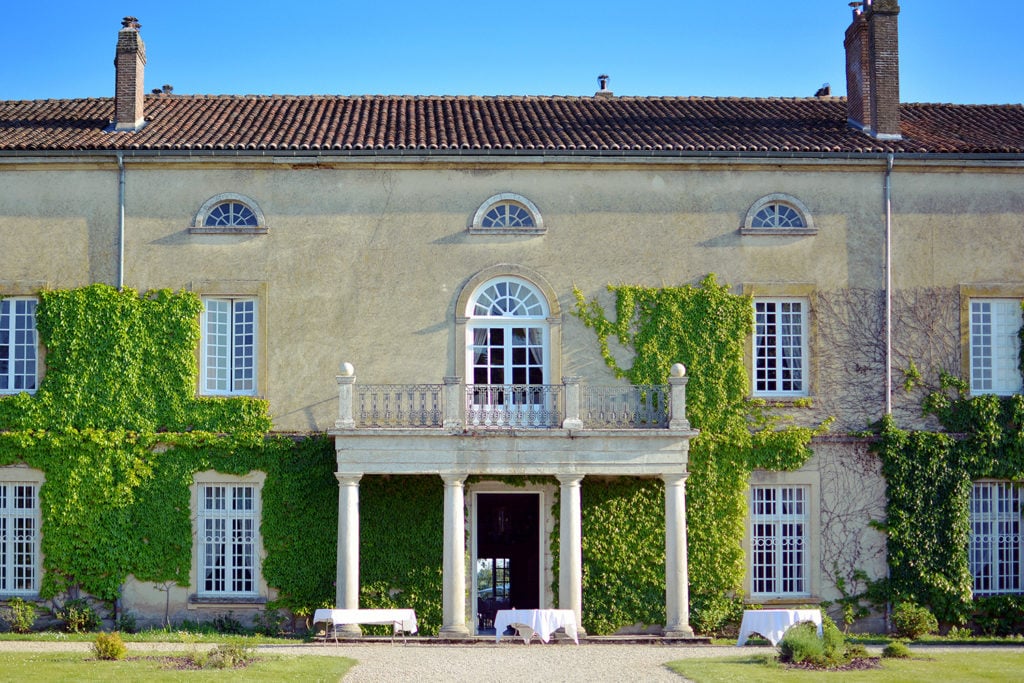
(20, 615)
(109, 646)
(896, 650)
(801, 644)
(913, 621)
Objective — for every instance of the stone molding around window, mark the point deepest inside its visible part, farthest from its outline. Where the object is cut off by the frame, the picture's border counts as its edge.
(483, 218)
(783, 200)
(200, 223)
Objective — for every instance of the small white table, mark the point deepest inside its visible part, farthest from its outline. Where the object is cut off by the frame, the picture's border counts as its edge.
(773, 623)
(401, 620)
(542, 622)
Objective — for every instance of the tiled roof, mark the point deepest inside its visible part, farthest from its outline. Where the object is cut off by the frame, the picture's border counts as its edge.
(522, 125)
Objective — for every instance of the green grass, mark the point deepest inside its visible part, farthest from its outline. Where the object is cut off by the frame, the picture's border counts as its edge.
(993, 665)
(146, 667)
(151, 636)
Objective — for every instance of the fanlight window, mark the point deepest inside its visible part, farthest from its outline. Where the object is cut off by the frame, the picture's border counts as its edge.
(229, 213)
(234, 214)
(509, 298)
(778, 214)
(507, 213)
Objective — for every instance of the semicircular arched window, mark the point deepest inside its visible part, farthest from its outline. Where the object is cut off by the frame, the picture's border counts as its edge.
(778, 214)
(231, 214)
(506, 214)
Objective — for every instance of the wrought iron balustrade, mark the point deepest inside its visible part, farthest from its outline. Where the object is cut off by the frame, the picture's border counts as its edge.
(400, 405)
(524, 406)
(624, 407)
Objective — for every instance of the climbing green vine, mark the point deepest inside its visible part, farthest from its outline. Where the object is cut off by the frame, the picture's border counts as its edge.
(704, 327)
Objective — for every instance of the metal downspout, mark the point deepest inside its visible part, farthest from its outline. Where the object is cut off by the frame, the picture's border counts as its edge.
(120, 221)
(888, 283)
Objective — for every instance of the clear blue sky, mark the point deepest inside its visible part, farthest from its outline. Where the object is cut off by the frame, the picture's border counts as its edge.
(950, 50)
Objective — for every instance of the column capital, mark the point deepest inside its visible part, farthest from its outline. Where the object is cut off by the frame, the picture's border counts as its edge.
(348, 478)
(453, 479)
(569, 479)
(675, 478)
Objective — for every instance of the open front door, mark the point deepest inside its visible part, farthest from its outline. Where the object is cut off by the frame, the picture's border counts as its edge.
(508, 566)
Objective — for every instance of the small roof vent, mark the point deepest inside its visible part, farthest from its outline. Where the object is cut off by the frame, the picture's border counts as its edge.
(602, 82)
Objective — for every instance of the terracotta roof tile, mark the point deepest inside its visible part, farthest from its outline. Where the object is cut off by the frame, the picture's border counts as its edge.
(634, 125)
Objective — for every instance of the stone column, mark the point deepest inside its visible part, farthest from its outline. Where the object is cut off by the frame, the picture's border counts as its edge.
(570, 556)
(347, 579)
(677, 580)
(453, 595)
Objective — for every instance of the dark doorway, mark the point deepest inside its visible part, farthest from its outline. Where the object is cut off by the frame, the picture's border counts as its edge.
(507, 571)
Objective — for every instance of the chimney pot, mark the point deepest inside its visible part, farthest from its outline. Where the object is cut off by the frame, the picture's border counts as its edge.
(602, 82)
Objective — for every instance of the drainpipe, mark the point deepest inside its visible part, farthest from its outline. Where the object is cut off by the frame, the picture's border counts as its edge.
(887, 190)
(120, 221)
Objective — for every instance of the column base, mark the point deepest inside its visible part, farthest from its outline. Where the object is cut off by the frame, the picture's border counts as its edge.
(453, 632)
(348, 631)
(678, 631)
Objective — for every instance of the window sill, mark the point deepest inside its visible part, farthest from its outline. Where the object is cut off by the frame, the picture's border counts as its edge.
(199, 601)
(784, 401)
(218, 230)
(507, 231)
(779, 232)
(787, 602)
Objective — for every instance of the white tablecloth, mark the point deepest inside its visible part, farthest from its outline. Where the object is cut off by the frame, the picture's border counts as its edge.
(400, 619)
(772, 623)
(543, 622)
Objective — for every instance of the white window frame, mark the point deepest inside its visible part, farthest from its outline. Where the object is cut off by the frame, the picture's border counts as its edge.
(996, 554)
(780, 541)
(20, 532)
(20, 353)
(515, 311)
(777, 199)
(230, 346)
(202, 225)
(777, 357)
(229, 547)
(994, 345)
(522, 205)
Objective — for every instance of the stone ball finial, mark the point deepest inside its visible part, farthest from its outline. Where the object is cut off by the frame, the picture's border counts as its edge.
(347, 369)
(678, 370)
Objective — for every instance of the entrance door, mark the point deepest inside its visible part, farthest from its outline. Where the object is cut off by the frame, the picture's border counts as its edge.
(507, 571)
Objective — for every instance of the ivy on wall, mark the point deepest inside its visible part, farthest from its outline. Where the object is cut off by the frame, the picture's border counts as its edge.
(928, 482)
(118, 431)
(704, 327)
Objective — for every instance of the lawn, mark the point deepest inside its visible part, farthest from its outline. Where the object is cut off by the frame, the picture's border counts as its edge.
(989, 665)
(81, 666)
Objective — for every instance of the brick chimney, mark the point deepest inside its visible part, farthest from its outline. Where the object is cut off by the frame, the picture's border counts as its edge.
(129, 65)
(873, 68)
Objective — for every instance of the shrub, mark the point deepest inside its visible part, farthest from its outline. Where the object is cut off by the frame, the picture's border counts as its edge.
(896, 650)
(230, 655)
(913, 621)
(268, 622)
(20, 615)
(226, 623)
(78, 616)
(801, 643)
(109, 646)
(957, 633)
(1000, 615)
(126, 623)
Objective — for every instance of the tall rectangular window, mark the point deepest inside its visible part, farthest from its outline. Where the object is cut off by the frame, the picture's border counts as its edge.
(778, 557)
(19, 538)
(995, 346)
(19, 348)
(780, 347)
(229, 346)
(995, 551)
(228, 528)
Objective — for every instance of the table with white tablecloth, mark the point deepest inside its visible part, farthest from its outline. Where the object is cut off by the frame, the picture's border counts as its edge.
(543, 622)
(401, 620)
(773, 623)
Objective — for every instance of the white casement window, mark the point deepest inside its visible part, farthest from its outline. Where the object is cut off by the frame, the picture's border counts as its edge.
(778, 548)
(995, 346)
(995, 552)
(229, 346)
(19, 538)
(780, 347)
(507, 355)
(228, 525)
(19, 345)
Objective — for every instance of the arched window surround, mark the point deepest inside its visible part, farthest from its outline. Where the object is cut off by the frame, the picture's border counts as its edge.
(522, 205)
(783, 200)
(199, 223)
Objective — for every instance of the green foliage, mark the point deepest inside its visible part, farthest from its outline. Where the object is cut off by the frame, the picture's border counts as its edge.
(401, 551)
(913, 621)
(704, 327)
(896, 650)
(109, 646)
(801, 643)
(19, 615)
(999, 615)
(623, 553)
(78, 616)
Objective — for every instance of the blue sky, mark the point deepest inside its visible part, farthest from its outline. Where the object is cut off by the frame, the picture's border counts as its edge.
(950, 50)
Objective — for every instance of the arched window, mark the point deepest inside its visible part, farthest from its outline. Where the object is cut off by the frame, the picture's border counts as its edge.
(506, 214)
(229, 213)
(508, 356)
(778, 214)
